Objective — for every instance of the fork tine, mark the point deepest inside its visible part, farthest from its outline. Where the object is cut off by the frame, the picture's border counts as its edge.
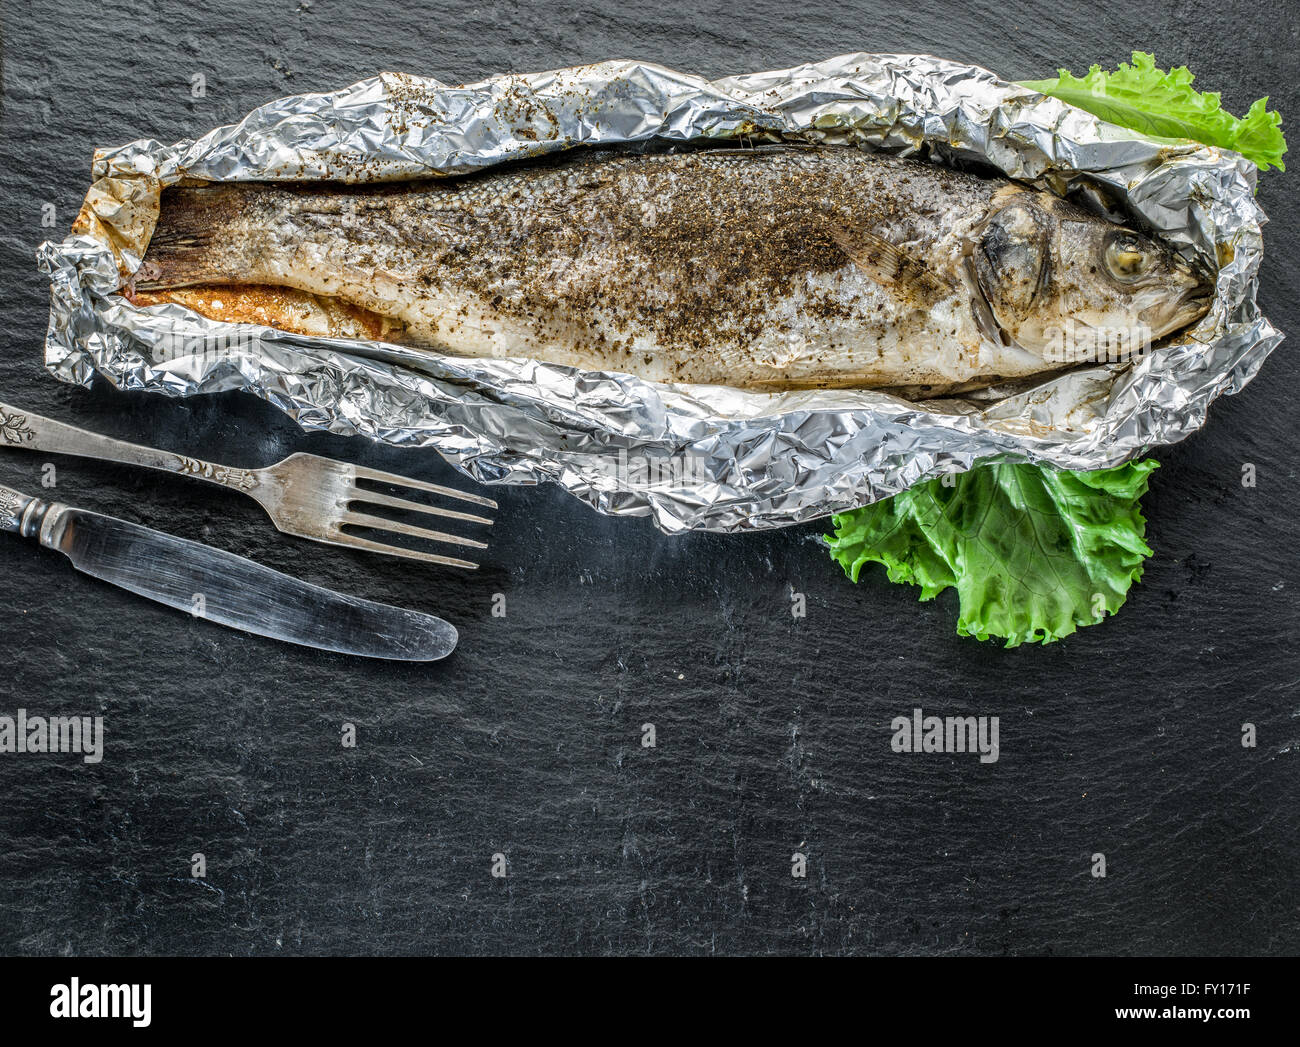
(371, 498)
(420, 485)
(353, 541)
(378, 523)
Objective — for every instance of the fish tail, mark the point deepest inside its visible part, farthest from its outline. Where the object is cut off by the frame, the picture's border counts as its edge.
(197, 239)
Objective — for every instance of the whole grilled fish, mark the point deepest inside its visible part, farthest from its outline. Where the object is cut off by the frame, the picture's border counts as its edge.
(772, 268)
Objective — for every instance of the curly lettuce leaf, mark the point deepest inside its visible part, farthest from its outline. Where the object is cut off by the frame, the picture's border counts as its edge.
(1143, 97)
(1033, 552)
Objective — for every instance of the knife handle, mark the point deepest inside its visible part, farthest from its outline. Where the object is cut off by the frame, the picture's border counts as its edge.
(23, 515)
(12, 506)
(31, 432)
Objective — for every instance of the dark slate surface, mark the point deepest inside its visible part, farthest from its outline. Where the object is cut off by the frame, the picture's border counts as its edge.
(773, 732)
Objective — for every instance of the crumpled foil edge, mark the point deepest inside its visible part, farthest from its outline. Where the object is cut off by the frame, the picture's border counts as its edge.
(739, 460)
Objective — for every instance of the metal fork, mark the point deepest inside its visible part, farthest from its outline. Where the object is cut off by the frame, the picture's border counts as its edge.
(305, 495)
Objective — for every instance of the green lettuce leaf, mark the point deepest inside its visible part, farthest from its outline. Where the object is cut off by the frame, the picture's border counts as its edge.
(1145, 98)
(1033, 552)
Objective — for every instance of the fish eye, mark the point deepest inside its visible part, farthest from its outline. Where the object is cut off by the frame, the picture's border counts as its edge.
(1125, 258)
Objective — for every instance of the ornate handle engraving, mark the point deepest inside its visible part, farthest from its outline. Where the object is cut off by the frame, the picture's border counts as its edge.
(14, 428)
(10, 503)
(237, 478)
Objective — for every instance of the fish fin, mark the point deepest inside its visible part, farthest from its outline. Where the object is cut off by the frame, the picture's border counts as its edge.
(890, 266)
(193, 239)
(985, 321)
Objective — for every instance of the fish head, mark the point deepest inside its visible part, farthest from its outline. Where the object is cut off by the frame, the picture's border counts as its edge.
(1051, 272)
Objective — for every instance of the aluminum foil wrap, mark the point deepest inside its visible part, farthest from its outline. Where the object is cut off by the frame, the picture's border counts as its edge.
(754, 460)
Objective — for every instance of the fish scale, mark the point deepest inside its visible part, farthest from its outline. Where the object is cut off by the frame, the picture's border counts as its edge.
(770, 268)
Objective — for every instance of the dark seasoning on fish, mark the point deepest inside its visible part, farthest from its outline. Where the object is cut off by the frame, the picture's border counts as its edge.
(776, 267)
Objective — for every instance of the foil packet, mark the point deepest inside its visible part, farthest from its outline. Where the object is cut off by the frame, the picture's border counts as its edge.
(691, 456)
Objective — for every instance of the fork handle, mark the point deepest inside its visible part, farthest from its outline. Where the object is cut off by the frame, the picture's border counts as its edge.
(30, 432)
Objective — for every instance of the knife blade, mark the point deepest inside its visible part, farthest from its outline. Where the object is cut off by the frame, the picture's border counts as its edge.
(224, 588)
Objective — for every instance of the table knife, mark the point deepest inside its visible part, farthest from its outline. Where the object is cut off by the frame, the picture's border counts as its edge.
(222, 587)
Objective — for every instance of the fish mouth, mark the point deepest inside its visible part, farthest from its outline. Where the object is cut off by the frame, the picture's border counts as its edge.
(1193, 305)
(1187, 310)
